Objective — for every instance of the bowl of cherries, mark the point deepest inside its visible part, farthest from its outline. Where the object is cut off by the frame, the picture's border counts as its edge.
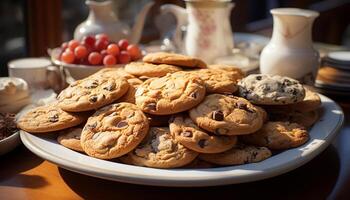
(92, 53)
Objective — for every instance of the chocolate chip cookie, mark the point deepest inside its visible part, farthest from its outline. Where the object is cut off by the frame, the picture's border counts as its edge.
(49, 118)
(114, 73)
(170, 94)
(70, 138)
(191, 136)
(174, 59)
(218, 80)
(160, 150)
(271, 90)
(114, 130)
(238, 155)
(306, 119)
(278, 135)
(311, 102)
(227, 115)
(92, 93)
(150, 70)
(129, 96)
(227, 68)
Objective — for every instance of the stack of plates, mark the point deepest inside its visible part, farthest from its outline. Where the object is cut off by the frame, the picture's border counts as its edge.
(334, 75)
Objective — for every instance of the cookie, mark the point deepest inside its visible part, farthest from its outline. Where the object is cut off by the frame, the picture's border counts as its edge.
(114, 72)
(129, 96)
(174, 59)
(70, 138)
(199, 164)
(191, 136)
(265, 117)
(306, 119)
(278, 135)
(271, 90)
(227, 68)
(49, 118)
(238, 155)
(150, 70)
(218, 80)
(92, 93)
(114, 131)
(311, 102)
(170, 94)
(160, 150)
(227, 115)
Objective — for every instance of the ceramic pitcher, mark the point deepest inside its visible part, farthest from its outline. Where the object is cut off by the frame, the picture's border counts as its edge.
(103, 19)
(208, 33)
(290, 51)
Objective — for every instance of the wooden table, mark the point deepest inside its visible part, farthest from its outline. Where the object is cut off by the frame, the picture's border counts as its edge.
(23, 175)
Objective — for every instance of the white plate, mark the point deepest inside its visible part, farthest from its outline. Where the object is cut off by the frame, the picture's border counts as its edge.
(321, 135)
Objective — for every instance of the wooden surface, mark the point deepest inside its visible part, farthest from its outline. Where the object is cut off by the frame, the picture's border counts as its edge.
(23, 175)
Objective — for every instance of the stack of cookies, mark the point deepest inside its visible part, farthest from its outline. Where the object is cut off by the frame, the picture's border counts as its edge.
(174, 111)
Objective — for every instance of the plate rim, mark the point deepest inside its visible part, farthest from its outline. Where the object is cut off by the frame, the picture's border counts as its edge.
(209, 180)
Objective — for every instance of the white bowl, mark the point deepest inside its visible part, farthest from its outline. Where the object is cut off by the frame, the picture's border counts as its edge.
(9, 143)
(76, 71)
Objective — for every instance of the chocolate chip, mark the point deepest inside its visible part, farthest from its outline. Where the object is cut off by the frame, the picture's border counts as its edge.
(286, 82)
(202, 143)
(187, 134)
(122, 124)
(92, 85)
(241, 105)
(109, 87)
(151, 106)
(258, 78)
(93, 99)
(54, 118)
(194, 95)
(218, 115)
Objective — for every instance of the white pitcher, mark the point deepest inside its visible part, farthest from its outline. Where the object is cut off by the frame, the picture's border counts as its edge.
(208, 30)
(290, 51)
(103, 19)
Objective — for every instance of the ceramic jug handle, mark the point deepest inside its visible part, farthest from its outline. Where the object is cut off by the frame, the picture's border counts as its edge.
(181, 18)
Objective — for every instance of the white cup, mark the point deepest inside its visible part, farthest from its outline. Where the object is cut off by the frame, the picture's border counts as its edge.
(32, 70)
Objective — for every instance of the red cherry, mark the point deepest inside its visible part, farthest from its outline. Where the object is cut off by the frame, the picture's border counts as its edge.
(89, 41)
(123, 44)
(124, 57)
(95, 58)
(109, 60)
(101, 45)
(68, 56)
(80, 51)
(103, 53)
(134, 52)
(113, 49)
(102, 36)
(73, 44)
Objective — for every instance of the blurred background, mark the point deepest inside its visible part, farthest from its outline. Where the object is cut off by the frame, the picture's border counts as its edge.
(29, 27)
